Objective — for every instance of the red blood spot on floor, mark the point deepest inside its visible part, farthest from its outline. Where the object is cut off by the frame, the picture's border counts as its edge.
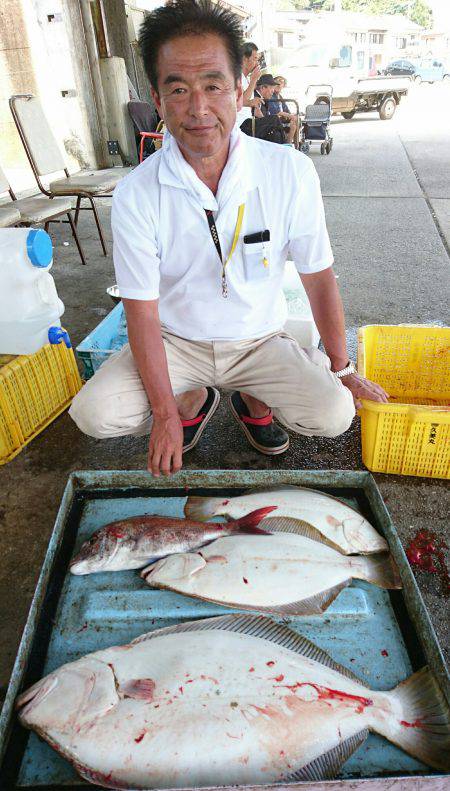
(209, 678)
(384, 652)
(246, 581)
(139, 738)
(427, 552)
(251, 670)
(416, 724)
(181, 690)
(270, 664)
(225, 502)
(278, 678)
(190, 681)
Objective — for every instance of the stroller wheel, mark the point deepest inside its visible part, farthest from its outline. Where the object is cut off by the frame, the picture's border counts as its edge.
(322, 148)
(328, 148)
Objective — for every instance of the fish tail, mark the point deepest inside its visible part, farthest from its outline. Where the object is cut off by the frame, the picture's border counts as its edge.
(381, 570)
(421, 724)
(203, 508)
(249, 522)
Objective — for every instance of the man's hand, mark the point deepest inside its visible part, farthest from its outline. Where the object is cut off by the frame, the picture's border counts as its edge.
(166, 445)
(256, 102)
(255, 75)
(364, 388)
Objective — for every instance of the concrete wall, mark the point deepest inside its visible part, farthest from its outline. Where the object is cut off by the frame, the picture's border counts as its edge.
(43, 52)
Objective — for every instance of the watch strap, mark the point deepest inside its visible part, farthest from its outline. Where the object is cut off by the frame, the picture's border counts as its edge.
(349, 369)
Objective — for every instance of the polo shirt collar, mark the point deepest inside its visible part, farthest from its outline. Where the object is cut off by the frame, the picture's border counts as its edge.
(239, 176)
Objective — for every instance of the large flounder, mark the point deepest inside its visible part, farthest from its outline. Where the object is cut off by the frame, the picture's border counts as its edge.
(279, 573)
(336, 522)
(229, 700)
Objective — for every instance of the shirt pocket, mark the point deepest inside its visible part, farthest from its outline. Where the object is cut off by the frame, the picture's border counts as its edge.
(256, 258)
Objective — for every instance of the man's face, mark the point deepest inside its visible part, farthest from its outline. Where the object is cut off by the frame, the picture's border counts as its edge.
(197, 96)
(266, 91)
(250, 63)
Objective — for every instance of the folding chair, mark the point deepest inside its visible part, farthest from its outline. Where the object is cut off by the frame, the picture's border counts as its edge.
(9, 215)
(39, 209)
(146, 125)
(45, 158)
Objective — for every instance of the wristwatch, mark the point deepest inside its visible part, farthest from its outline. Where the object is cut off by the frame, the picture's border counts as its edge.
(349, 369)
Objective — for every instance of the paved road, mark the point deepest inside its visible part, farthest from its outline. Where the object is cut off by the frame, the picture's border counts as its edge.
(393, 267)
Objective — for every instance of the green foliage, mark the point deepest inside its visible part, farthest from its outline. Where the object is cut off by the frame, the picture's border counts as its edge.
(417, 10)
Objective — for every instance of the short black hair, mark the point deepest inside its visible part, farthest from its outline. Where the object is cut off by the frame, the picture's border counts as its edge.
(248, 48)
(189, 18)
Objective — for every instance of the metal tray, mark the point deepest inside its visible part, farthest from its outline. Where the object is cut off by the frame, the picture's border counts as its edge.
(382, 636)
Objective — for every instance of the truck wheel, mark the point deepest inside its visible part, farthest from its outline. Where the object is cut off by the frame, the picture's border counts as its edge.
(348, 115)
(387, 109)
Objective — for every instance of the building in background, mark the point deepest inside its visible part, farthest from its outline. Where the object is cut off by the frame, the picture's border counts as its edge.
(374, 40)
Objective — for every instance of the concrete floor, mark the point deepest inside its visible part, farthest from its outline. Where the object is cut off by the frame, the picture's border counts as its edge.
(382, 184)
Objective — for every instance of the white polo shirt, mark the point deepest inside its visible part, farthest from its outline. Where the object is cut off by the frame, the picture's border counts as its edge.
(163, 247)
(244, 112)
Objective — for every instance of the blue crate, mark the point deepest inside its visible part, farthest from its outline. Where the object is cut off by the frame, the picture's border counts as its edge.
(106, 339)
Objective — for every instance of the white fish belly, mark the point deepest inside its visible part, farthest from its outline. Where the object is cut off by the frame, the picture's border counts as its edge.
(257, 571)
(335, 520)
(225, 708)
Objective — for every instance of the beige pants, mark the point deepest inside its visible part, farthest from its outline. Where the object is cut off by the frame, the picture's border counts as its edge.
(296, 383)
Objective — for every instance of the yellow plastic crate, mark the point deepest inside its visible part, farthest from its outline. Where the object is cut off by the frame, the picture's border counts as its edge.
(411, 434)
(34, 390)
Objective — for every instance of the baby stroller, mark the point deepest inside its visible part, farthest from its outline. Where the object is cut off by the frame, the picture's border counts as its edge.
(316, 121)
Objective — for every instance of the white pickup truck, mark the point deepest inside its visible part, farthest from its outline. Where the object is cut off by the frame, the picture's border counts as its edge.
(373, 93)
(314, 73)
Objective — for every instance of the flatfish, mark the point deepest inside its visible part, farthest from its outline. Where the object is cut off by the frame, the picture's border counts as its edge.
(336, 522)
(283, 573)
(234, 700)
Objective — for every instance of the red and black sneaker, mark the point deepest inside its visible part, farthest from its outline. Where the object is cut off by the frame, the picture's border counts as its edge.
(194, 428)
(261, 432)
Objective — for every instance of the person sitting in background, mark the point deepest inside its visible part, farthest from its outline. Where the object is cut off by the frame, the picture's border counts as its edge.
(251, 72)
(265, 87)
(277, 106)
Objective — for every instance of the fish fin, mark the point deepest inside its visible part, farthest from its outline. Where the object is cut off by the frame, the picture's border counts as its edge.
(202, 508)
(326, 766)
(138, 689)
(288, 524)
(424, 730)
(314, 605)
(257, 626)
(249, 522)
(99, 778)
(381, 570)
(276, 488)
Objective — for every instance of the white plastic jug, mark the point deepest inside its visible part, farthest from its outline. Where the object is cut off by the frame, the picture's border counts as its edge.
(29, 304)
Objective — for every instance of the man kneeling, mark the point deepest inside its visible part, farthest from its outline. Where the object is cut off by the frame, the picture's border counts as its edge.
(202, 230)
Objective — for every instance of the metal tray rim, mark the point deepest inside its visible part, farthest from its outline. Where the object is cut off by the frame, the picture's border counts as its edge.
(98, 480)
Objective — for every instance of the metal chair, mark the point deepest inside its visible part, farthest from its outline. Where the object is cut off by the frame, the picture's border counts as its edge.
(45, 158)
(9, 215)
(39, 209)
